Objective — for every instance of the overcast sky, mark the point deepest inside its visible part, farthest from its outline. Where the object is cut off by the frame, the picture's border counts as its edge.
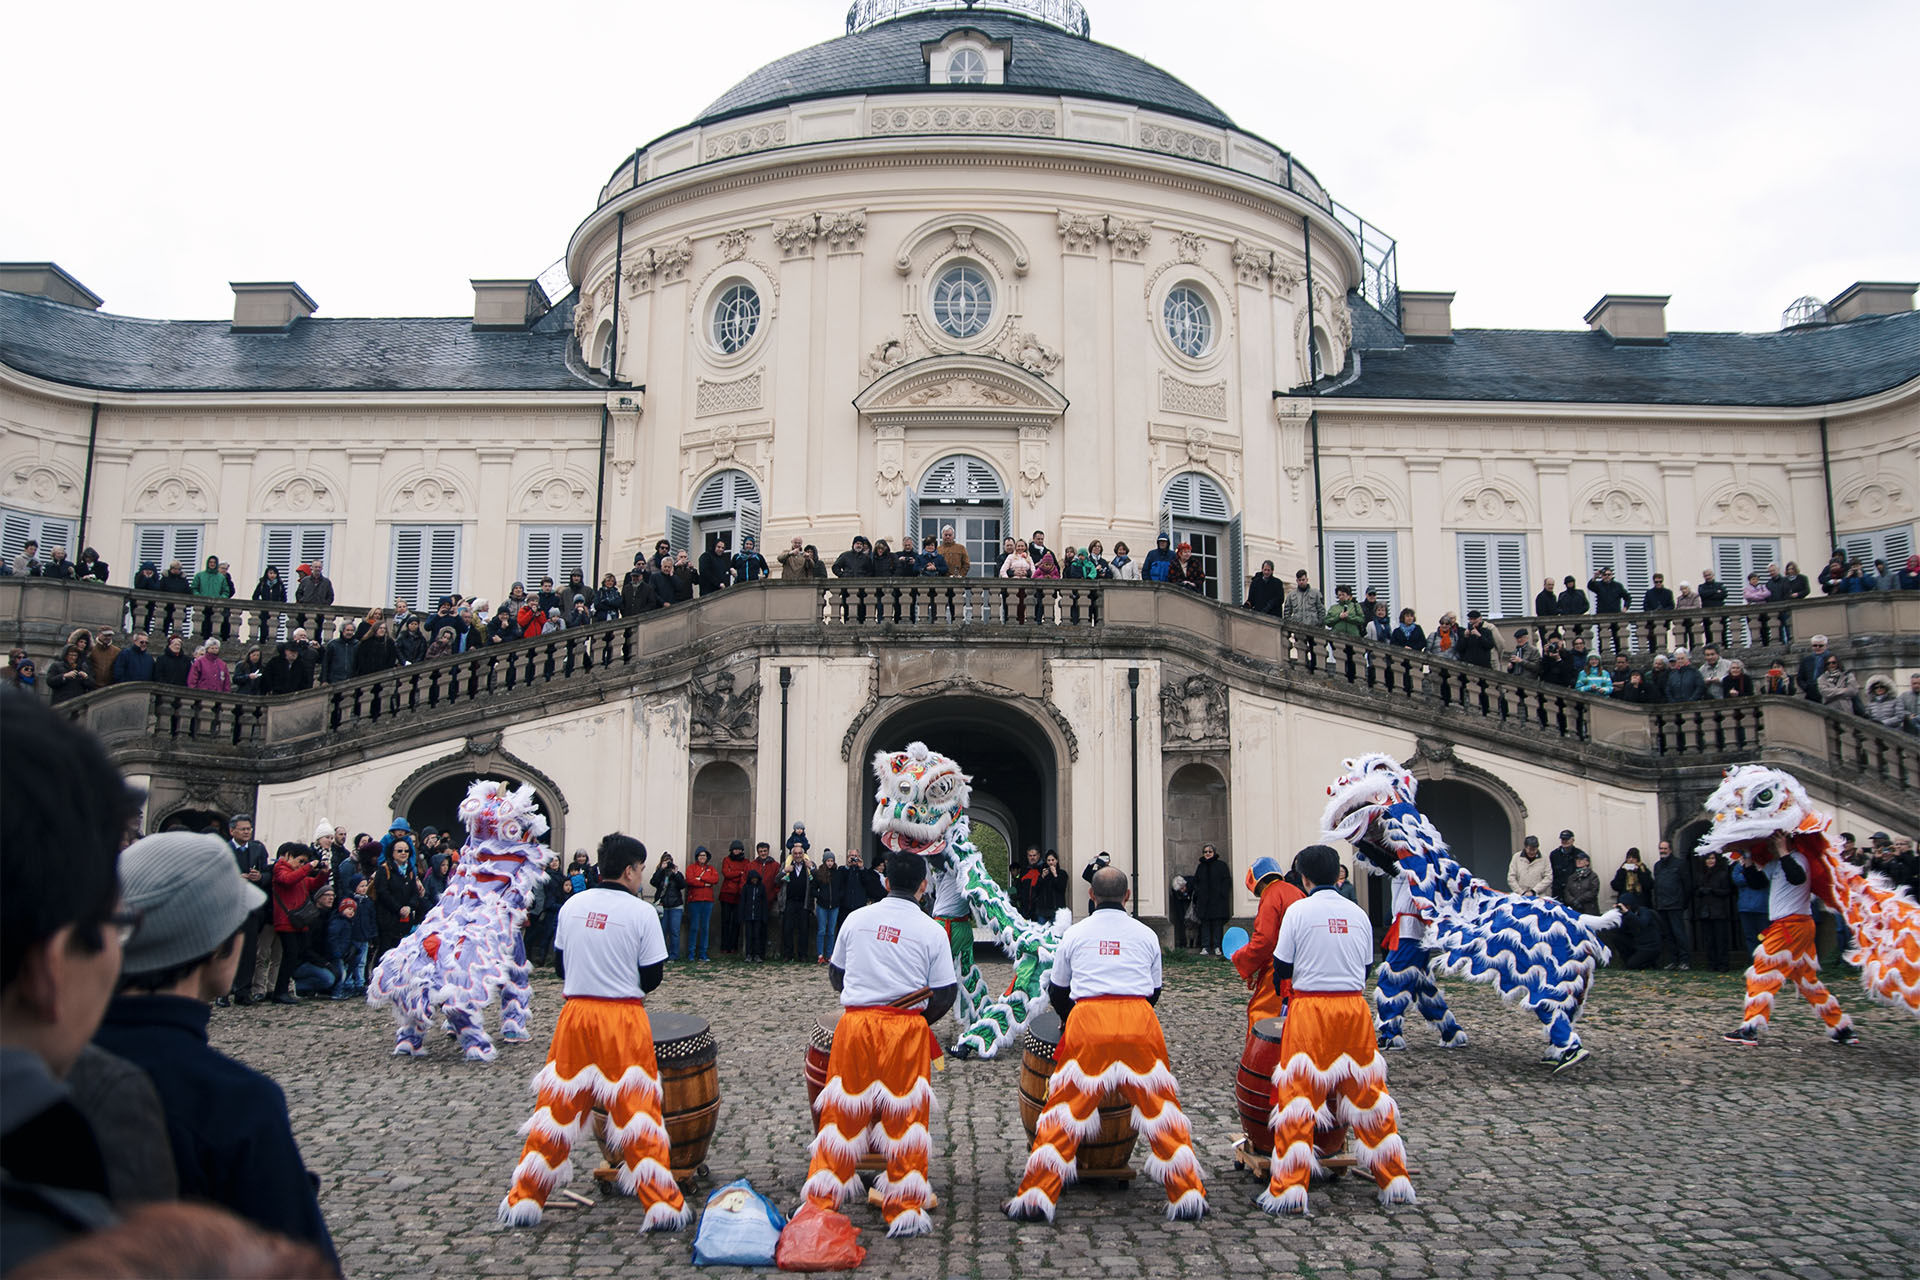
(1529, 156)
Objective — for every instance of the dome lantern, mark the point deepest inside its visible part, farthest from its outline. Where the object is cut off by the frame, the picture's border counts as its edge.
(1068, 15)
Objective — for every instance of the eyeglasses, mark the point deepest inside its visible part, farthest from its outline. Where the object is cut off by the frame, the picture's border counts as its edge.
(126, 923)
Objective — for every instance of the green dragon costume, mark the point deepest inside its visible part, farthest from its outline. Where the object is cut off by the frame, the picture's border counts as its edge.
(920, 806)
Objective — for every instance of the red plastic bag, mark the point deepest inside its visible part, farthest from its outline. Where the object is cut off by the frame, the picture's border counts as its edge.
(819, 1240)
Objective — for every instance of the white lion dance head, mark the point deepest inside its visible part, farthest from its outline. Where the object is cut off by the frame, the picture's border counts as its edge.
(492, 812)
(919, 798)
(1360, 797)
(1753, 804)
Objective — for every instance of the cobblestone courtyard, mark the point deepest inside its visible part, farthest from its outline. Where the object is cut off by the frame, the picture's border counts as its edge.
(1666, 1154)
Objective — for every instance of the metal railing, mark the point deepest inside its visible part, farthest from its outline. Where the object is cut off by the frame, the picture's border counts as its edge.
(1068, 15)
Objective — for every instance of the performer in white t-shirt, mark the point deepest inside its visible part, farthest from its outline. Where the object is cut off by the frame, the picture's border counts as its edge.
(894, 972)
(1328, 1053)
(610, 953)
(1785, 952)
(1104, 982)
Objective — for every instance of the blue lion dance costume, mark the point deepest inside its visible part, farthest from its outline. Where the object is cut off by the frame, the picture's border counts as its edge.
(1535, 951)
(1405, 976)
(470, 947)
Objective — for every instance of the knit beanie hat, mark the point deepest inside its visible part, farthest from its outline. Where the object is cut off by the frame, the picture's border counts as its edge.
(190, 895)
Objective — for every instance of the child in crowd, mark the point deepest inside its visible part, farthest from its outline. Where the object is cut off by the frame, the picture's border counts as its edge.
(366, 931)
(340, 949)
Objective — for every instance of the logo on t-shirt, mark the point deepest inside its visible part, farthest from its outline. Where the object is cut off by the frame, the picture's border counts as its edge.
(888, 933)
(1336, 926)
(596, 919)
(1108, 947)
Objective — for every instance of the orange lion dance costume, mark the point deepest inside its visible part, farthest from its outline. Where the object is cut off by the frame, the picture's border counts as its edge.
(610, 944)
(1254, 961)
(1105, 977)
(1763, 817)
(1330, 1075)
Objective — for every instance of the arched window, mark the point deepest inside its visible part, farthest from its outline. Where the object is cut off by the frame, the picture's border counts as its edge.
(963, 300)
(603, 348)
(1194, 509)
(966, 66)
(967, 493)
(727, 505)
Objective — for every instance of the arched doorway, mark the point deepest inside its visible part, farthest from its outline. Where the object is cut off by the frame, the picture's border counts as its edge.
(1009, 756)
(1475, 825)
(966, 493)
(199, 821)
(726, 506)
(721, 811)
(1194, 510)
(1198, 813)
(437, 803)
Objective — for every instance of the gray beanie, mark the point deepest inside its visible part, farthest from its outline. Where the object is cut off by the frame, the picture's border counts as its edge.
(190, 895)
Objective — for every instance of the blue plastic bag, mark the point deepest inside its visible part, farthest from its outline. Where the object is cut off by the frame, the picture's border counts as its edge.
(739, 1228)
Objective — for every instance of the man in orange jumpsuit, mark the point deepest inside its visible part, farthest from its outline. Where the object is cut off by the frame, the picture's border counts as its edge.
(1255, 960)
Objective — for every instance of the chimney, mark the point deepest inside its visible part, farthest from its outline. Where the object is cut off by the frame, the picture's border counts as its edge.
(47, 280)
(1631, 317)
(1871, 298)
(507, 304)
(269, 305)
(1426, 317)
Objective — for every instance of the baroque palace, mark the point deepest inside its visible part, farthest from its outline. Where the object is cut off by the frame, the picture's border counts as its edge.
(965, 265)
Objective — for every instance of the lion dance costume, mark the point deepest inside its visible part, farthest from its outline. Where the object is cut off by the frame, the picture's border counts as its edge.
(1111, 1044)
(1753, 805)
(923, 809)
(470, 947)
(1405, 975)
(1255, 960)
(1533, 950)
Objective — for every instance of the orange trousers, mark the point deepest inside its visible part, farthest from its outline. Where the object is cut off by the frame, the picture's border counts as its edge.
(1111, 1044)
(878, 1099)
(602, 1052)
(1786, 952)
(1331, 1070)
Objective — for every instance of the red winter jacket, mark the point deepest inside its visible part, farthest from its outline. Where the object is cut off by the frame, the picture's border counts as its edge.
(292, 886)
(701, 877)
(733, 873)
(769, 872)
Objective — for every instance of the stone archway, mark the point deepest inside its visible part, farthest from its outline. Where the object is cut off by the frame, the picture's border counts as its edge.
(1010, 754)
(431, 794)
(721, 810)
(1475, 825)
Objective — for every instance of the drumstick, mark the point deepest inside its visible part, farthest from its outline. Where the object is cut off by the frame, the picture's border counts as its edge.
(910, 999)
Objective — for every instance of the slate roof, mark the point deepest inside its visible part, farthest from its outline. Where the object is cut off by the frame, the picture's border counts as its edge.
(100, 351)
(886, 58)
(1821, 364)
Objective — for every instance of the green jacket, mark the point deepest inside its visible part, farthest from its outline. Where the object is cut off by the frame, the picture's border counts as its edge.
(1346, 619)
(211, 584)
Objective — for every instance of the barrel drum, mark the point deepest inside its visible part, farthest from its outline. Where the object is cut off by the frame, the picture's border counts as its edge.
(1108, 1151)
(688, 1057)
(1253, 1087)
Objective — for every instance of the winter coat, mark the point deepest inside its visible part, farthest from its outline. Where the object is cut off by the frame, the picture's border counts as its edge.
(336, 660)
(1582, 891)
(100, 660)
(339, 937)
(67, 683)
(850, 890)
(270, 590)
(1716, 892)
(1670, 891)
(1685, 685)
(669, 887)
(373, 655)
(1345, 618)
(132, 664)
(1713, 595)
(1630, 879)
(823, 888)
(1529, 875)
(854, 564)
(172, 668)
(1159, 567)
(1049, 892)
(1608, 597)
(1212, 889)
(1477, 645)
(607, 604)
(394, 888)
(701, 881)
(733, 874)
(292, 886)
(411, 646)
(209, 673)
(1572, 603)
(1408, 636)
(1265, 594)
(1303, 608)
(314, 588)
(716, 571)
(753, 900)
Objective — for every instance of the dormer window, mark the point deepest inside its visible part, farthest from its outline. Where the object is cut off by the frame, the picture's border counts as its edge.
(967, 56)
(966, 65)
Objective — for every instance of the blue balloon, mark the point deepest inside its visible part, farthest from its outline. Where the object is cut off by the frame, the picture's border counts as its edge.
(1232, 940)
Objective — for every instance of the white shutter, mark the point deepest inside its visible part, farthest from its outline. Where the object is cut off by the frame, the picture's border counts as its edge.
(426, 563)
(315, 542)
(1893, 545)
(16, 527)
(1510, 567)
(1735, 558)
(1476, 572)
(679, 530)
(746, 523)
(536, 553)
(1236, 562)
(570, 553)
(1367, 560)
(913, 518)
(1343, 551)
(286, 546)
(162, 543)
(408, 557)
(1166, 521)
(1630, 558)
(443, 567)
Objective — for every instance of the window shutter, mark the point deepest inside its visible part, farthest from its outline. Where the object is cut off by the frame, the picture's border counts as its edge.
(1476, 573)
(1236, 562)
(15, 528)
(1344, 552)
(443, 567)
(1377, 569)
(160, 543)
(913, 517)
(1730, 565)
(276, 549)
(1895, 546)
(57, 533)
(1637, 555)
(679, 530)
(49, 531)
(408, 556)
(1510, 564)
(746, 523)
(570, 553)
(315, 542)
(1166, 522)
(536, 553)
(1006, 526)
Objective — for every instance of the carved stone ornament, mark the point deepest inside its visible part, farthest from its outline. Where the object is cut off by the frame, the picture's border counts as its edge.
(582, 327)
(1129, 239)
(1031, 354)
(723, 714)
(1080, 232)
(40, 483)
(1253, 264)
(556, 495)
(842, 231)
(887, 354)
(1616, 507)
(427, 495)
(1033, 457)
(1875, 499)
(733, 244)
(640, 269)
(670, 261)
(171, 494)
(1193, 710)
(300, 493)
(795, 236)
(1188, 246)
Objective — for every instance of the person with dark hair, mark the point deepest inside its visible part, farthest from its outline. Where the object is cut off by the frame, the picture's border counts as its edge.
(733, 876)
(233, 1143)
(180, 1242)
(1638, 946)
(297, 876)
(64, 811)
(1104, 984)
(894, 972)
(702, 877)
(1212, 898)
(250, 860)
(610, 953)
(756, 906)
(1328, 1044)
(399, 895)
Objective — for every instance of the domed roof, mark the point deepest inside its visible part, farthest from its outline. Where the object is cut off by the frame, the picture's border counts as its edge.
(887, 58)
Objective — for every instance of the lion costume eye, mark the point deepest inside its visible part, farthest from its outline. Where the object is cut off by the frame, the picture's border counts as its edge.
(940, 790)
(1763, 797)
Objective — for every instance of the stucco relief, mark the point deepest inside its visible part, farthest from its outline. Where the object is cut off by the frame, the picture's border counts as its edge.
(733, 244)
(746, 445)
(1129, 239)
(1488, 500)
(1033, 462)
(554, 495)
(983, 238)
(1179, 142)
(724, 715)
(39, 482)
(1188, 246)
(795, 236)
(1018, 120)
(1025, 349)
(171, 495)
(1293, 416)
(1181, 447)
(736, 396)
(427, 495)
(887, 355)
(843, 231)
(1616, 503)
(1366, 500)
(740, 142)
(1193, 712)
(1871, 499)
(1081, 232)
(1201, 400)
(890, 456)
